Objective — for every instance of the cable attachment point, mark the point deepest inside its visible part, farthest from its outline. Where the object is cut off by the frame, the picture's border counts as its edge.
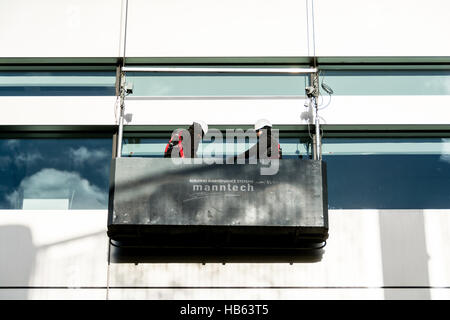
(327, 88)
(128, 88)
(310, 91)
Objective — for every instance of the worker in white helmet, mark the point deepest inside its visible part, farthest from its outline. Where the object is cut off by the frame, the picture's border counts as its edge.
(180, 147)
(271, 149)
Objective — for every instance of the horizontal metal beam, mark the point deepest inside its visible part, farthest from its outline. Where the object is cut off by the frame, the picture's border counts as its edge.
(221, 70)
(237, 97)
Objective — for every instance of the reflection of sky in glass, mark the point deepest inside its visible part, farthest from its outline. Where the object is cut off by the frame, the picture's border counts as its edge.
(415, 175)
(216, 84)
(72, 173)
(57, 83)
(147, 147)
(363, 173)
(412, 82)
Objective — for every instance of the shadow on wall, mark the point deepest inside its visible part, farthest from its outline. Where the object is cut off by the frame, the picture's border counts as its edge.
(165, 255)
(404, 255)
(17, 259)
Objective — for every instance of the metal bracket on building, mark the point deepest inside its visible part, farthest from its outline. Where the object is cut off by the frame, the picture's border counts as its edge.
(312, 92)
(125, 89)
(122, 114)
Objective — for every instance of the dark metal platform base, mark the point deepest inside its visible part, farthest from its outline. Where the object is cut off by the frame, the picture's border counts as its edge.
(156, 204)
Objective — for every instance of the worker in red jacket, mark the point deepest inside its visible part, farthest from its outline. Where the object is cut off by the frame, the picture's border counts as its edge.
(184, 143)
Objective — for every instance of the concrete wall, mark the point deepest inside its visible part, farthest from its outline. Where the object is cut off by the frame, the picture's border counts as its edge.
(370, 254)
(66, 110)
(380, 28)
(43, 251)
(202, 28)
(342, 110)
(52, 28)
(245, 28)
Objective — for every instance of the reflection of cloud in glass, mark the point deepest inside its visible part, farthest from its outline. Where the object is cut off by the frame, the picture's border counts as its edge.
(103, 171)
(159, 89)
(27, 159)
(446, 85)
(445, 150)
(5, 161)
(11, 143)
(55, 184)
(439, 85)
(82, 154)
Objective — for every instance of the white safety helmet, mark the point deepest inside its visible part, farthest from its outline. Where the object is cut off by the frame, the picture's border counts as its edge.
(203, 125)
(261, 123)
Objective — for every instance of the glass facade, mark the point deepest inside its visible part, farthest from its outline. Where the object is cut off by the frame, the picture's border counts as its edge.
(388, 82)
(215, 84)
(57, 83)
(388, 173)
(382, 173)
(363, 173)
(50, 174)
(343, 82)
(154, 148)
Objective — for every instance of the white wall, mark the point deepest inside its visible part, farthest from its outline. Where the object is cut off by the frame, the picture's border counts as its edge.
(381, 28)
(53, 249)
(277, 294)
(215, 111)
(54, 28)
(203, 28)
(404, 110)
(368, 252)
(80, 110)
(233, 28)
(341, 110)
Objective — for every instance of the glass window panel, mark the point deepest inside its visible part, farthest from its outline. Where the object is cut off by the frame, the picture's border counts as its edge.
(216, 84)
(363, 173)
(54, 173)
(388, 173)
(154, 148)
(57, 83)
(388, 82)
